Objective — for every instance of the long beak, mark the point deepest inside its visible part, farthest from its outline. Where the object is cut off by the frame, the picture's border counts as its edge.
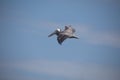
(51, 34)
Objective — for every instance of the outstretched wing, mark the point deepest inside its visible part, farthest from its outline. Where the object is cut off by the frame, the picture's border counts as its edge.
(61, 38)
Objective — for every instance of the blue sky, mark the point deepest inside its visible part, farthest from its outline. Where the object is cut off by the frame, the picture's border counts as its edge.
(28, 54)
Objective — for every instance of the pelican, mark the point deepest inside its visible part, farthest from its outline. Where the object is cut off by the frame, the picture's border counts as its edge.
(63, 35)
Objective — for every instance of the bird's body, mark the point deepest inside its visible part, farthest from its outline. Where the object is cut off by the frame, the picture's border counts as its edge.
(63, 35)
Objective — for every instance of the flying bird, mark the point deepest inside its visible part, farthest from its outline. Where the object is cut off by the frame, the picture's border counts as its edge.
(63, 35)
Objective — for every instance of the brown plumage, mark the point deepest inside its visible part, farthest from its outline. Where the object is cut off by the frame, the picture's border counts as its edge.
(63, 35)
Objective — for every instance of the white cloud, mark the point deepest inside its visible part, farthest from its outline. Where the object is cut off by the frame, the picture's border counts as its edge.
(99, 37)
(70, 70)
(89, 34)
(106, 39)
(85, 31)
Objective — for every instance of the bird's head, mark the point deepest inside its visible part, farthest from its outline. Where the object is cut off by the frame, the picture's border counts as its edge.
(58, 30)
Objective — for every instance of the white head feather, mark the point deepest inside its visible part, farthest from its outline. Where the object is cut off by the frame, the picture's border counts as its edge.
(58, 30)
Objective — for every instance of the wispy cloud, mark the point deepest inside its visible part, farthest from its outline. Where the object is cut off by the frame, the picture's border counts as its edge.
(106, 39)
(92, 36)
(99, 37)
(69, 70)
